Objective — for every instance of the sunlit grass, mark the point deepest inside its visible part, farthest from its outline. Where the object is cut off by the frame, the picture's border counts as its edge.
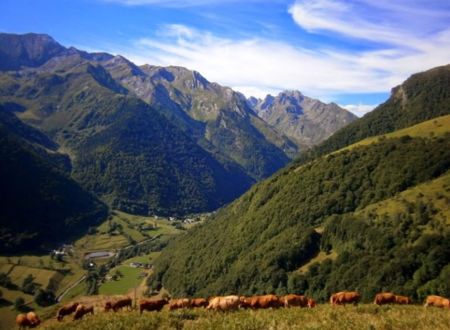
(323, 317)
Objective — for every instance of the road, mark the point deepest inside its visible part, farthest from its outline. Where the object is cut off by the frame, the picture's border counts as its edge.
(61, 296)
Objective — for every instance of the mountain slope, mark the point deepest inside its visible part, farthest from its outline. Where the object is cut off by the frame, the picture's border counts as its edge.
(217, 117)
(259, 242)
(31, 186)
(307, 121)
(121, 149)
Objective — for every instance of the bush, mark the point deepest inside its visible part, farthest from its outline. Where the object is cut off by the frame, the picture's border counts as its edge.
(44, 298)
(28, 286)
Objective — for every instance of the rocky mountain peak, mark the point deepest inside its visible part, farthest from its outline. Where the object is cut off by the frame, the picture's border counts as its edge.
(306, 120)
(27, 50)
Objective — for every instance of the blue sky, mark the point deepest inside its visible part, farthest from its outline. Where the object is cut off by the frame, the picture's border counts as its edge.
(348, 52)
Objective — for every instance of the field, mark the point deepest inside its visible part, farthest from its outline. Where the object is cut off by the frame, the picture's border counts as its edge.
(323, 317)
(131, 278)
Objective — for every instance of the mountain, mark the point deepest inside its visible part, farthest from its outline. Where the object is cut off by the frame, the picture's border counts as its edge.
(121, 149)
(372, 217)
(421, 97)
(305, 120)
(32, 184)
(218, 118)
(29, 50)
(195, 146)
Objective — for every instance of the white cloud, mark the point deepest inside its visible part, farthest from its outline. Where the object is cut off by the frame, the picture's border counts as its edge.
(260, 66)
(397, 23)
(359, 109)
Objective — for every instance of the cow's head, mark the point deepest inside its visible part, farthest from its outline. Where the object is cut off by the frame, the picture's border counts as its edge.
(108, 306)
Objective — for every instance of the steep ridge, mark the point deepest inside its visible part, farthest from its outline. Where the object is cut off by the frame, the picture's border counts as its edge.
(258, 243)
(31, 186)
(307, 121)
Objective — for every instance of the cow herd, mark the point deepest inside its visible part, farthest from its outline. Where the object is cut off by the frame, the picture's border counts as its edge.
(226, 303)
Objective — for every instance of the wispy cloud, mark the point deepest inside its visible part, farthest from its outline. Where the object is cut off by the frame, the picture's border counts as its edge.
(400, 23)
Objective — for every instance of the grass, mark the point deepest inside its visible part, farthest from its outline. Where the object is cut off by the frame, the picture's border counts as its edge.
(148, 258)
(131, 278)
(41, 276)
(76, 291)
(323, 317)
(434, 127)
(435, 193)
(321, 256)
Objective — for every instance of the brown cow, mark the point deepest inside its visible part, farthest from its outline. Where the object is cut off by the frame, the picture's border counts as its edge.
(266, 301)
(29, 320)
(437, 301)
(22, 321)
(294, 300)
(179, 303)
(152, 305)
(82, 310)
(345, 297)
(199, 302)
(384, 298)
(33, 319)
(311, 303)
(119, 304)
(66, 310)
(224, 303)
(403, 300)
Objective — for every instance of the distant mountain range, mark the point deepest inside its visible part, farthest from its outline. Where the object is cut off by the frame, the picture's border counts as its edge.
(305, 120)
(366, 210)
(148, 139)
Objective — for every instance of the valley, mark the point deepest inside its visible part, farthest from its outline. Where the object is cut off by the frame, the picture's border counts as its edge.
(151, 181)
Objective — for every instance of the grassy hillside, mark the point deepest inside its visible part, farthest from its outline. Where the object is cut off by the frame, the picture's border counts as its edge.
(322, 317)
(257, 243)
(434, 127)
